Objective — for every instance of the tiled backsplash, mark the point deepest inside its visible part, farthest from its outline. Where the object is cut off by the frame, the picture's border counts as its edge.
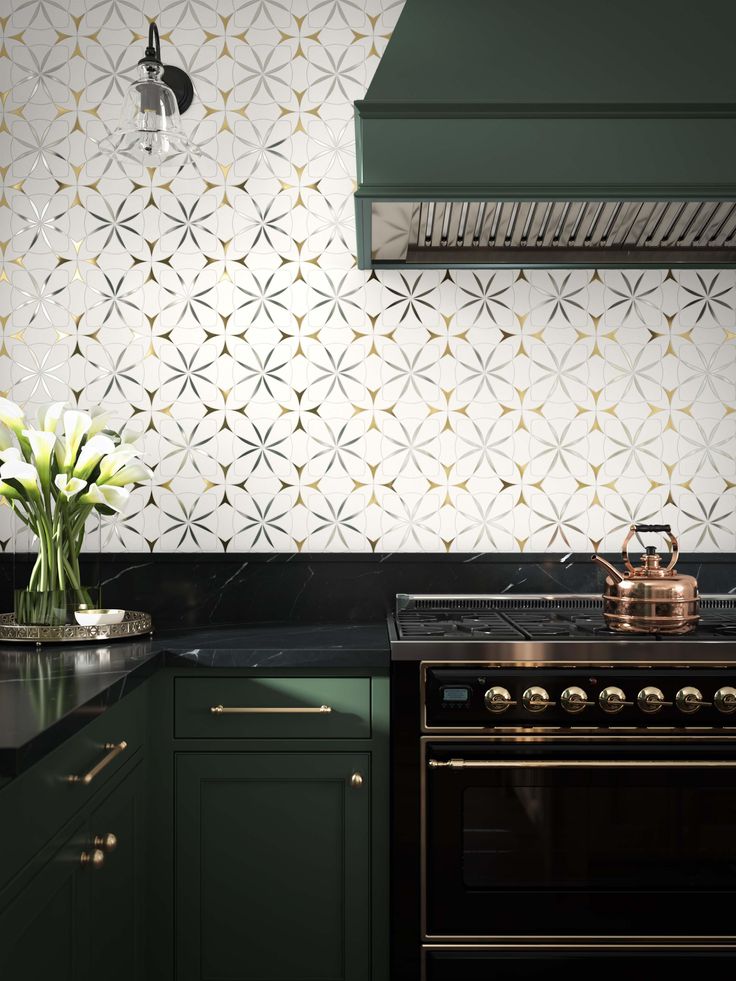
(291, 401)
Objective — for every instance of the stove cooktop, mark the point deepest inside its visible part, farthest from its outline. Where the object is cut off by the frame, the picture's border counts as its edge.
(434, 625)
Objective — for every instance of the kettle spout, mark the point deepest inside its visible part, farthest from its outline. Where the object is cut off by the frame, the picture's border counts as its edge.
(610, 569)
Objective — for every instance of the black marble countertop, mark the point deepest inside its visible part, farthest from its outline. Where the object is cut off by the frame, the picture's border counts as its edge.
(46, 695)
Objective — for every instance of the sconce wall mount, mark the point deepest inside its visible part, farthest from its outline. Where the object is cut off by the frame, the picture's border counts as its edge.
(176, 78)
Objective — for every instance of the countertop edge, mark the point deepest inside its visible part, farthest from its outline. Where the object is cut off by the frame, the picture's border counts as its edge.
(180, 651)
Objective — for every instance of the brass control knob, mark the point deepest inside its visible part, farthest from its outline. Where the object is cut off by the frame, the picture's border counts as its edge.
(725, 700)
(651, 699)
(574, 700)
(498, 699)
(689, 700)
(94, 859)
(612, 699)
(108, 842)
(536, 699)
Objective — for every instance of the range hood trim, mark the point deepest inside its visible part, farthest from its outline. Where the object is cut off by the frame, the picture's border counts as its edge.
(512, 110)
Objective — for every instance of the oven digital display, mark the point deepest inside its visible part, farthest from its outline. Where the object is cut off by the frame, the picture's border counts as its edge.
(455, 695)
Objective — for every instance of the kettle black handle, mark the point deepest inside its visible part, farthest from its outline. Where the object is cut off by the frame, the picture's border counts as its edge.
(635, 529)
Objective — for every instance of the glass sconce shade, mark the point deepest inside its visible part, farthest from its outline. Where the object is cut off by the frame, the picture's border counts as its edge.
(150, 126)
(149, 130)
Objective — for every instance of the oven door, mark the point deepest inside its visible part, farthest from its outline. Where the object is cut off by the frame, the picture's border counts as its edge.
(548, 838)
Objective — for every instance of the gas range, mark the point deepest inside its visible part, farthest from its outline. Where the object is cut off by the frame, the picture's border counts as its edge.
(559, 790)
(563, 629)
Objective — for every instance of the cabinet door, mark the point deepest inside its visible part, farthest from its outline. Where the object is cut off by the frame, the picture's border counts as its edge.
(273, 853)
(116, 889)
(39, 933)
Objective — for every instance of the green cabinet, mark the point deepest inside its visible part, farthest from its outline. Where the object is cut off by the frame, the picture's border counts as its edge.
(273, 866)
(39, 936)
(256, 836)
(77, 914)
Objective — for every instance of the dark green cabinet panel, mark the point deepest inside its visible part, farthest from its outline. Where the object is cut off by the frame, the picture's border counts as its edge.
(273, 867)
(39, 935)
(35, 806)
(75, 921)
(115, 920)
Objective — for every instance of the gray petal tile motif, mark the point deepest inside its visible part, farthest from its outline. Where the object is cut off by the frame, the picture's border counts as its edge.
(289, 400)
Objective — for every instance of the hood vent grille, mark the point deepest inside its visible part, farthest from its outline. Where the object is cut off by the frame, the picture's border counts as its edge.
(554, 233)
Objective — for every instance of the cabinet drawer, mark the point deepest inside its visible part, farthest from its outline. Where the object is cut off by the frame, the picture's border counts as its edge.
(36, 805)
(273, 708)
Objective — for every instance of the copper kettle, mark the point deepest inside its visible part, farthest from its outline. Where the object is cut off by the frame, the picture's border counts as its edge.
(649, 598)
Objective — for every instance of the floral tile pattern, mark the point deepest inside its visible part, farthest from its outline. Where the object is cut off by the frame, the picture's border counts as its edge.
(288, 400)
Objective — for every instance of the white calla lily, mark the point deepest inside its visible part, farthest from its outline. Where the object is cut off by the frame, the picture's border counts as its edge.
(49, 416)
(92, 452)
(9, 492)
(6, 437)
(120, 457)
(92, 465)
(12, 416)
(42, 446)
(60, 452)
(100, 419)
(68, 486)
(130, 435)
(76, 426)
(93, 495)
(25, 474)
(114, 498)
(134, 472)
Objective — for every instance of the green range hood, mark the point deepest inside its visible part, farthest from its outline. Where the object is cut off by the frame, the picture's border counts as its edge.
(530, 133)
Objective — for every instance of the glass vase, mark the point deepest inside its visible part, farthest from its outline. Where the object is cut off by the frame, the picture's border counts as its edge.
(53, 607)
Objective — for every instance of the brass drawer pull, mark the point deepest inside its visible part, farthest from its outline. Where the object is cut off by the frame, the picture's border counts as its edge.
(285, 710)
(106, 843)
(94, 859)
(357, 780)
(111, 751)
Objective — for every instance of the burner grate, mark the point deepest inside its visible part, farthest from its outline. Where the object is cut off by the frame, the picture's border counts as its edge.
(496, 618)
(489, 624)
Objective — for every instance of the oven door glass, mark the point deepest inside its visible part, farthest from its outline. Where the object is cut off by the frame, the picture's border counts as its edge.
(579, 842)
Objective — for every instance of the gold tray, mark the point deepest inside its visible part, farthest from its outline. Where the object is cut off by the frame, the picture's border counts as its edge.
(134, 624)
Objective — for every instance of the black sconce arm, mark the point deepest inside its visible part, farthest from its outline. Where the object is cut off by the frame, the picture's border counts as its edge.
(153, 51)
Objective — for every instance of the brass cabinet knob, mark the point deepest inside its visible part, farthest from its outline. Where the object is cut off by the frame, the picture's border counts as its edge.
(94, 859)
(356, 780)
(725, 699)
(108, 842)
(498, 699)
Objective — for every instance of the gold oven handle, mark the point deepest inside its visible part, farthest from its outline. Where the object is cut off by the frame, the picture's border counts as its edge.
(599, 764)
(280, 710)
(112, 750)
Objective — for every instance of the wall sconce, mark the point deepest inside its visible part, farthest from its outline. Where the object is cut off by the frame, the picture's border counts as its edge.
(150, 130)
